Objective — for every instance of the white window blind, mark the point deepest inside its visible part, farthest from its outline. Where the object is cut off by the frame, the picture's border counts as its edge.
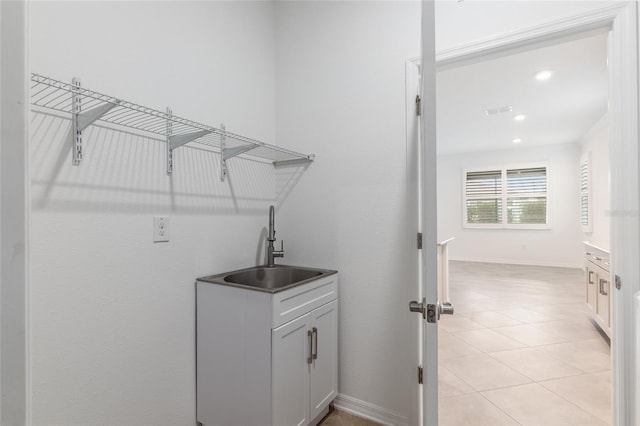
(484, 197)
(527, 196)
(585, 193)
(509, 197)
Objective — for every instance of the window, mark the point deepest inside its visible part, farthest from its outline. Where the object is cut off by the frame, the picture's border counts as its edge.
(506, 198)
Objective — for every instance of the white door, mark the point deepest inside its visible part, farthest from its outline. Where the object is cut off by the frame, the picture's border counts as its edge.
(428, 307)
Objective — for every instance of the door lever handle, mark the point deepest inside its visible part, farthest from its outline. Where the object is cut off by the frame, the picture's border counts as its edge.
(446, 308)
(431, 312)
(419, 307)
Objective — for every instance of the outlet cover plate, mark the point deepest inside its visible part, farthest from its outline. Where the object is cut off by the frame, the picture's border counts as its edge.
(160, 229)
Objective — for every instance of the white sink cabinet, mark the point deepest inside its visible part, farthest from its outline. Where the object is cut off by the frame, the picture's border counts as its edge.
(598, 285)
(266, 358)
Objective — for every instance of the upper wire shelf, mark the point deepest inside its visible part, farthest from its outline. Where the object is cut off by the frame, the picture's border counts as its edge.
(87, 106)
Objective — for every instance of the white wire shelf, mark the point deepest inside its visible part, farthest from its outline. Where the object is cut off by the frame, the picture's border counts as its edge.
(86, 106)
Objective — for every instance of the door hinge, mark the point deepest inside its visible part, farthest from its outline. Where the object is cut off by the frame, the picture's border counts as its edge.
(618, 282)
(420, 374)
(418, 105)
(419, 240)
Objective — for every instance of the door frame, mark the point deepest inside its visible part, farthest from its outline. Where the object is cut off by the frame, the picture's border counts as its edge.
(621, 19)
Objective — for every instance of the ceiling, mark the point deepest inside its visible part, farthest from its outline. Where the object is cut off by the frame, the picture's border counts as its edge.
(559, 110)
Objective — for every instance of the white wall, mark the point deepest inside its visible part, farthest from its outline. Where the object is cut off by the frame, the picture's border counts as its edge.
(596, 141)
(13, 218)
(341, 94)
(112, 314)
(558, 246)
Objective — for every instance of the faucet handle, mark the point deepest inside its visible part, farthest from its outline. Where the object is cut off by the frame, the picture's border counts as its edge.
(279, 253)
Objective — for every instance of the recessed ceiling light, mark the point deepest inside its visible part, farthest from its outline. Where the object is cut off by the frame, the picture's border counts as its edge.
(519, 117)
(517, 140)
(543, 75)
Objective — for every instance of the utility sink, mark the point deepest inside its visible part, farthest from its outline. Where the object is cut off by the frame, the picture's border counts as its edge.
(270, 279)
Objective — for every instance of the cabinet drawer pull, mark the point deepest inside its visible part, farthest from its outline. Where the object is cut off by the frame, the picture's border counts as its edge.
(588, 253)
(310, 358)
(591, 277)
(315, 350)
(597, 257)
(602, 282)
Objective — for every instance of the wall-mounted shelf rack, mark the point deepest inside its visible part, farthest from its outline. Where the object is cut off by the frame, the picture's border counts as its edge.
(86, 107)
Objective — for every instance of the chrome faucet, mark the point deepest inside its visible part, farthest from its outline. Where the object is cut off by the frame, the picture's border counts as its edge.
(272, 253)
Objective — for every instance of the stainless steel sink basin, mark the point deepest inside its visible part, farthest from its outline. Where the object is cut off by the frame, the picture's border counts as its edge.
(268, 278)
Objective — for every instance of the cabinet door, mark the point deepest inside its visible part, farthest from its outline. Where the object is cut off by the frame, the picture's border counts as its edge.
(291, 348)
(603, 312)
(324, 368)
(591, 280)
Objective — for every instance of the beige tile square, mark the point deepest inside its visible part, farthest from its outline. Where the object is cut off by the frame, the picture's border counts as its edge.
(449, 346)
(534, 364)
(493, 319)
(530, 335)
(450, 385)
(528, 316)
(487, 340)
(455, 323)
(590, 355)
(466, 307)
(534, 405)
(591, 392)
(468, 296)
(482, 372)
(570, 330)
(571, 311)
(471, 410)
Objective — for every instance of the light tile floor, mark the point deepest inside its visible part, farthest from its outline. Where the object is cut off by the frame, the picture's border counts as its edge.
(341, 418)
(521, 349)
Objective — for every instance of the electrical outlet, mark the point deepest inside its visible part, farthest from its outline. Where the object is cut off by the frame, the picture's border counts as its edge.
(160, 229)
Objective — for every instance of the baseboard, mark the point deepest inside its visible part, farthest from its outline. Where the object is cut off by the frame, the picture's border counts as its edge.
(518, 262)
(369, 411)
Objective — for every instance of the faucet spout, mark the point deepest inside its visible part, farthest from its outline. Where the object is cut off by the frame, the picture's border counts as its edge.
(272, 253)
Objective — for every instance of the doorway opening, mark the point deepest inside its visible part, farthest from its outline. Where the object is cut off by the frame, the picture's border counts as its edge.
(514, 129)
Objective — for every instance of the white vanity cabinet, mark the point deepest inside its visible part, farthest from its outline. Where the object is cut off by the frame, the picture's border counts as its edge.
(598, 285)
(266, 358)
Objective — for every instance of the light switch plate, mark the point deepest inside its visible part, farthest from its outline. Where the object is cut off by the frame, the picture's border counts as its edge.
(160, 229)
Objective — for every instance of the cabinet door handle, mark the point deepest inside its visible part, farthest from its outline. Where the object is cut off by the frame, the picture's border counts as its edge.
(310, 357)
(602, 292)
(591, 277)
(315, 350)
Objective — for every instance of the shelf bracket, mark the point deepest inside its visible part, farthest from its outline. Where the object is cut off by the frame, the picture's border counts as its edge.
(82, 120)
(232, 152)
(227, 153)
(177, 141)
